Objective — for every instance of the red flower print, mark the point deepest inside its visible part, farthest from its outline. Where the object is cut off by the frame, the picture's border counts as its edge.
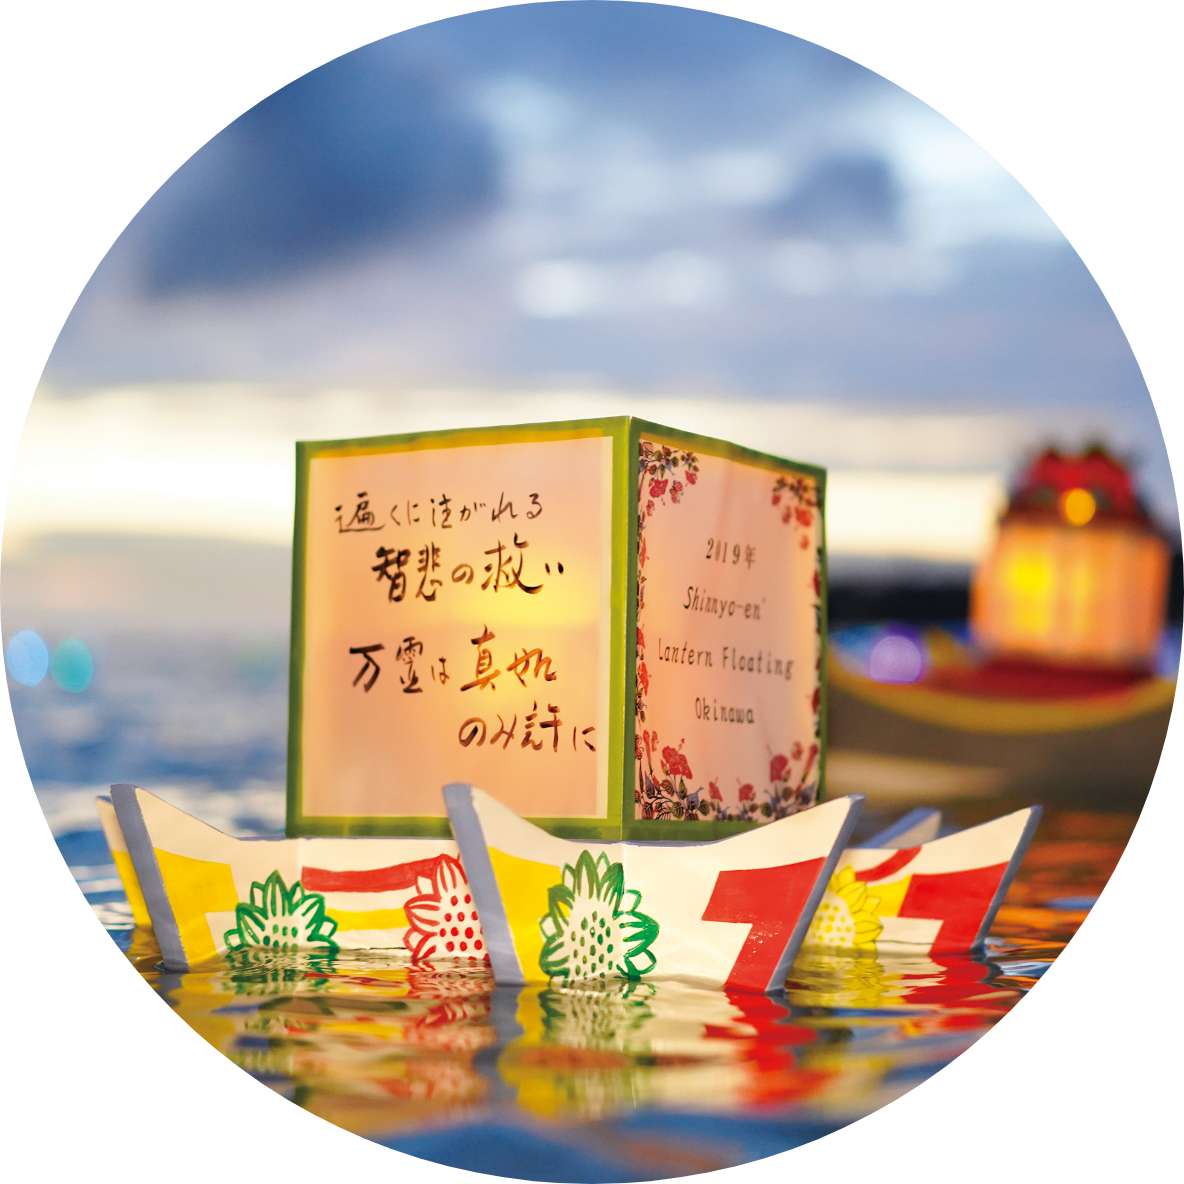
(676, 762)
(803, 542)
(747, 793)
(442, 920)
(804, 516)
(692, 476)
(640, 640)
(796, 750)
(776, 499)
(713, 792)
(811, 756)
(657, 488)
(815, 699)
(778, 768)
(676, 490)
(786, 514)
(817, 582)
(646, 737)
(649, 507)
(643, 678)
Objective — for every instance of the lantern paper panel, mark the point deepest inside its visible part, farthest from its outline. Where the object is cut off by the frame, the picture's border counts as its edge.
(573, 615)
(728, 710)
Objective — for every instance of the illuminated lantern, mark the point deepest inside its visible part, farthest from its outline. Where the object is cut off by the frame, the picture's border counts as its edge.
(614, 627)
(1078, 572)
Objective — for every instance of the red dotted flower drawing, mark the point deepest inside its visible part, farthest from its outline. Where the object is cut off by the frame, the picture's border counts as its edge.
(442, 920)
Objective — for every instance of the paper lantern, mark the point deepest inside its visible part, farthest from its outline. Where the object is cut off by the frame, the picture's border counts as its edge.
(1077, 573)
(616, 628)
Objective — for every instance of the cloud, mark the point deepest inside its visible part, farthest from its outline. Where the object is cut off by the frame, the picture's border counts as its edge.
(696, 74)
(633, 198)
(369, 148)
(843, 197)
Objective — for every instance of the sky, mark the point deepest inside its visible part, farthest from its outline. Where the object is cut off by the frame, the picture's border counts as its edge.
(567, 210)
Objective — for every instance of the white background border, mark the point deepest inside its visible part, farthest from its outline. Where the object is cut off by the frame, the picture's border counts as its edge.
(1080, 102)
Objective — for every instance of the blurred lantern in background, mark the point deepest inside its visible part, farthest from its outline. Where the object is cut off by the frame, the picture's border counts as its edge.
(1078, 571)
(897, 656)
(72, 665)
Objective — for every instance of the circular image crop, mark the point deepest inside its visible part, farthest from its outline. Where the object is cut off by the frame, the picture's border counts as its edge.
(694, 453)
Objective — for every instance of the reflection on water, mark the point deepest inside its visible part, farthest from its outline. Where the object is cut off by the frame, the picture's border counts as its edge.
(625, 1081)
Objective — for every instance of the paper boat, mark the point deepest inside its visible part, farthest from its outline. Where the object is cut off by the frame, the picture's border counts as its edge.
(733, 911)
(208, 893)
(933, 896)
(917, 826)
(121, 857)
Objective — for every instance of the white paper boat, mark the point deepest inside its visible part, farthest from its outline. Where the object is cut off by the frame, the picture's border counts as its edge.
(208, 893)
(734, 911)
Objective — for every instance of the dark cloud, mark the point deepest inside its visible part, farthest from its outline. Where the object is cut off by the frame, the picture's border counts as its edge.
(846, 197)
(698, 76)
(621, 43)
(364, 149)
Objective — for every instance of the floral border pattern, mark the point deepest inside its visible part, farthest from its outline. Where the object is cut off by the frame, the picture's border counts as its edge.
(798, 501)
(663, 473)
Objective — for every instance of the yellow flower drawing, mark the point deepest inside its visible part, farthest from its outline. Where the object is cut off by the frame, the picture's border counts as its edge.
(848, 917)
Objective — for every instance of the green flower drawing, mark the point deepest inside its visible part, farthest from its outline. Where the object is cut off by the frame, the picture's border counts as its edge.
(593, 928)
(282, 918)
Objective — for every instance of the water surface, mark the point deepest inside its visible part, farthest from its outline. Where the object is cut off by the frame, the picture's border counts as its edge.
(625, 1082)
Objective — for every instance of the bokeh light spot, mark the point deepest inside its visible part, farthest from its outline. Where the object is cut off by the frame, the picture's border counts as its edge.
(73, 667)
(1078, 506)
(896, 658)
(27, 657)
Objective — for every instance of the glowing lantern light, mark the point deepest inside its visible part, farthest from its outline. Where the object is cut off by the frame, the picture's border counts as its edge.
(28, 658)
(72, 666)
(896, 657)
(1078, 506)
(1078, 571)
